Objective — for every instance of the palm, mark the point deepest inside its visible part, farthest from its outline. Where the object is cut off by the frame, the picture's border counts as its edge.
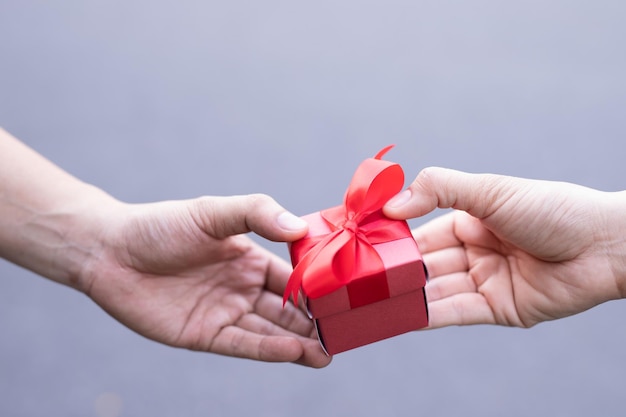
(175, 284)
(477, 277)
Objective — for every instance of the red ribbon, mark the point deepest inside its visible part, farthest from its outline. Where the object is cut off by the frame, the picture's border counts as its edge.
(328, 262)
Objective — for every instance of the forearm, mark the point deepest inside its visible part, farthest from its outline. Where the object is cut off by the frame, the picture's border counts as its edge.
(48, 219)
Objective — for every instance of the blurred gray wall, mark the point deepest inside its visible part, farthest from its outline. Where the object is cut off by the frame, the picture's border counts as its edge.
(155, 100)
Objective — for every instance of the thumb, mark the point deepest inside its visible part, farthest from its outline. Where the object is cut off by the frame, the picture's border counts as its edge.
(478, 194)
(221, 217)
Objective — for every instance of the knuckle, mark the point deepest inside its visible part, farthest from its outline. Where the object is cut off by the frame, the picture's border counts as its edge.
(428, 179)
(258, 200)
(424, 176)
(432, 184)
(203, 209)
(203, 206)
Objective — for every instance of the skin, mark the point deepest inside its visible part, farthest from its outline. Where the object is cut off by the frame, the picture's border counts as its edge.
(515, 252)
(178, 272)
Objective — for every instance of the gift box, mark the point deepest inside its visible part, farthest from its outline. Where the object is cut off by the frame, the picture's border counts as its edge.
(360, 273)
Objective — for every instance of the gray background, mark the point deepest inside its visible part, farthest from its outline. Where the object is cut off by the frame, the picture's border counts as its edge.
(155, 100)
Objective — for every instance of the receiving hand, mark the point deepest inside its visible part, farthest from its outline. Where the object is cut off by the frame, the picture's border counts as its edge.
(179, 273)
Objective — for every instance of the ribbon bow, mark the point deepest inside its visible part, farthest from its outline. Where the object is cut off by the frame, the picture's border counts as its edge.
(330, 261)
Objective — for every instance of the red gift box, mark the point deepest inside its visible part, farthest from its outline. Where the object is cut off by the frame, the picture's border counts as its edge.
(361, 273)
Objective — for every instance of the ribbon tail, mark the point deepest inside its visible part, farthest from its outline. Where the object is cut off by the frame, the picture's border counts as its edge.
(383, 151)
(297, 276)
(293, 287)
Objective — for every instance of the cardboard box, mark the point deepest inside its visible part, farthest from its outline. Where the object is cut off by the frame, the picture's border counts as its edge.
(361, 273)
(386, 305)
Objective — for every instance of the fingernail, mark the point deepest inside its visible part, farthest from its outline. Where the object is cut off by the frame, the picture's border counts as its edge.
(399, 199)
(290, 222)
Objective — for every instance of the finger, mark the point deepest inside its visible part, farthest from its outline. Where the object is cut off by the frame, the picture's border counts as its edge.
(240, 343)
(278, 272)
(446, 261)
(221, 217)
(458, 310)
(449, 285)
(454, 229)
(255, 323)
(290, 318)
(478, 194)
(436, 234)
(313, 355)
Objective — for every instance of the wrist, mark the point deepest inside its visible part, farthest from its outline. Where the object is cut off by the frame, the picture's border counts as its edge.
(616, 221)
(87, 221)
(55, 238)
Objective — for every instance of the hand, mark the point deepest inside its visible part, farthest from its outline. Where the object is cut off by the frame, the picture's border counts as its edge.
(176, 272)
(180, 273)
(515, 252)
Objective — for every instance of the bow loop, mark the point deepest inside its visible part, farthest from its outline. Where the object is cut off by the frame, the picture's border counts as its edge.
(373, 184)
